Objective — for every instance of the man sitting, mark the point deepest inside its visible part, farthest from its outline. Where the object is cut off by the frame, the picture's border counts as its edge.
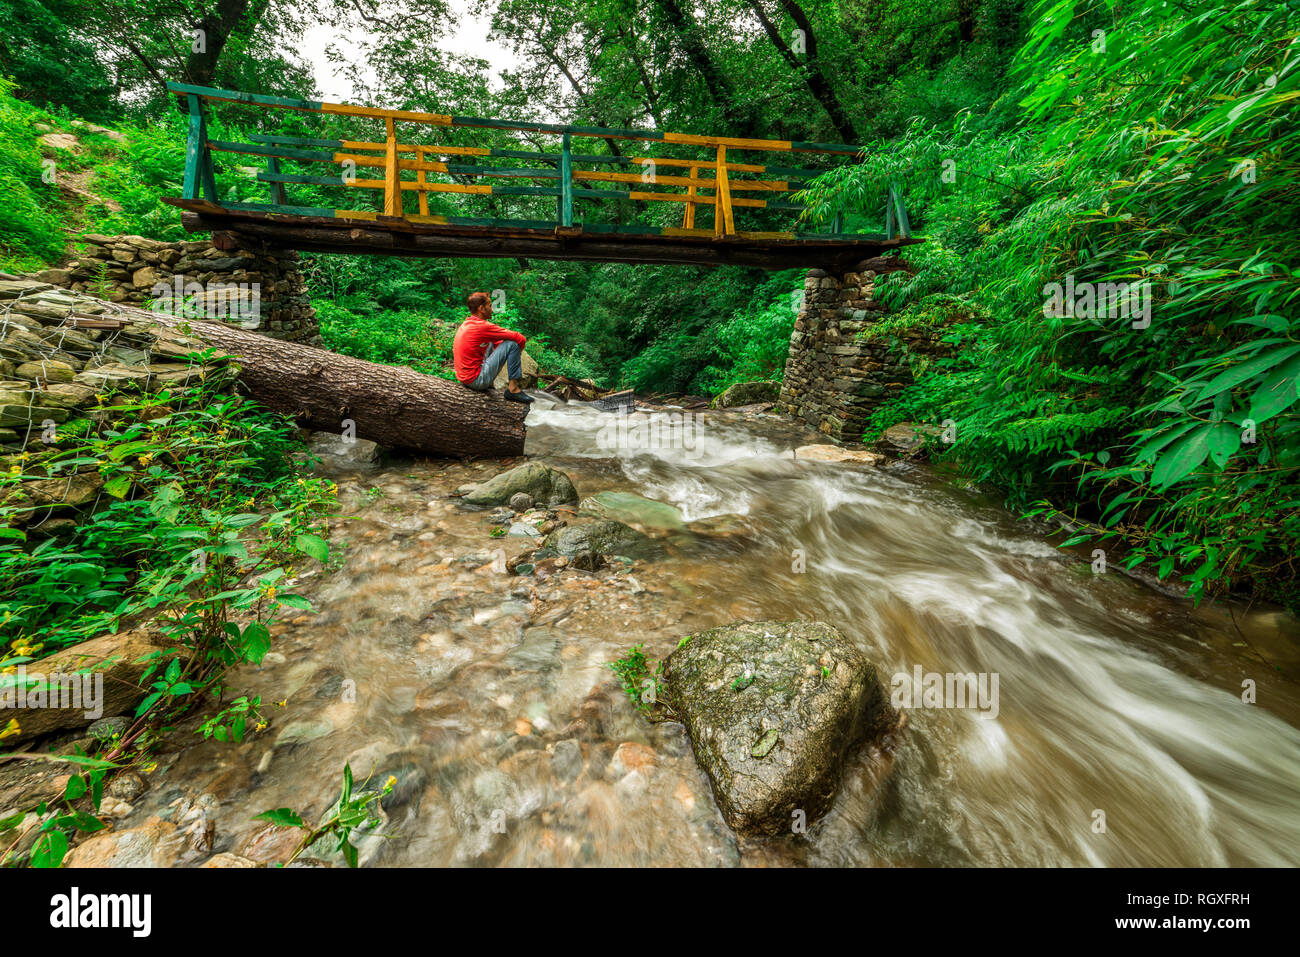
(480, 349)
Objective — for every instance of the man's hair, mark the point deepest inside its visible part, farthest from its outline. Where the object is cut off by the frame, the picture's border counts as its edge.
(476, 301)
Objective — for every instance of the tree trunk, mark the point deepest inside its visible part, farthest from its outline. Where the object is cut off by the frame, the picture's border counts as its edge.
(397, 407)
(819, 84)
(217, 26)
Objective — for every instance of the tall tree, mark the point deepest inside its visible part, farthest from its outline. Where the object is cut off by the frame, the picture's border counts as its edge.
(807, 64)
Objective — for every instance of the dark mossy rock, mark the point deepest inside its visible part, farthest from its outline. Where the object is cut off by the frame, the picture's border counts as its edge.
(546, 486)
(747, 393)
(773, 709)
(603, 538)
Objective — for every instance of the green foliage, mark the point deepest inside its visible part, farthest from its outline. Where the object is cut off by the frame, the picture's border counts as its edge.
(232, 721)
(420, 340)
(642, 684)
(350, 813)
(201, 520)
(30, 226)
(754, 342)
(50, 61)
(1176, 439)
(1031, 145)
(76, 811)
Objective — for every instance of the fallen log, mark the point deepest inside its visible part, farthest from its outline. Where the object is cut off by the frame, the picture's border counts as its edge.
(395, 406)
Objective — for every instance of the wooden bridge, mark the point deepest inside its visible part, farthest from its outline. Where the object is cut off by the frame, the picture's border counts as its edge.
(413, 187)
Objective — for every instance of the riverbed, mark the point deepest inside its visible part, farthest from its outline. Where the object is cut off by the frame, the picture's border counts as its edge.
(1118, 737)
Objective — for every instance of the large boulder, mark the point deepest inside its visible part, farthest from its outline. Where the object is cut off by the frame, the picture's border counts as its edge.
(546, 485)
(602, 538)
(747, 393)
(906, 436)
(773, 709)
(105, 673)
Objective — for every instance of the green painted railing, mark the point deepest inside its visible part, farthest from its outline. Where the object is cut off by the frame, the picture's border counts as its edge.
(717, 183)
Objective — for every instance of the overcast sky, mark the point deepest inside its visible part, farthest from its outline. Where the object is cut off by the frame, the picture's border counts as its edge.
(470, 34)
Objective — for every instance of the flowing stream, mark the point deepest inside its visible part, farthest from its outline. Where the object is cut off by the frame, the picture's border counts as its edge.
(1119, 735)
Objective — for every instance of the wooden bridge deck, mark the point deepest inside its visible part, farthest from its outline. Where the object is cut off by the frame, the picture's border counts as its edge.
(448, 172)
(393, 236)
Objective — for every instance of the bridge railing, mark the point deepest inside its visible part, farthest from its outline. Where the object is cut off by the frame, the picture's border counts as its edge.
(714, 183)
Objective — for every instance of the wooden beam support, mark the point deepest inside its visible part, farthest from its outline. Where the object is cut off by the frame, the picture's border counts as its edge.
(420, 181)
(566, 183)
(724, 220)
(688, 215)
(392, 173)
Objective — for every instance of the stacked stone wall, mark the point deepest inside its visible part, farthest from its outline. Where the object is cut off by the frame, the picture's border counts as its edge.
(837, 372)
(199, 277)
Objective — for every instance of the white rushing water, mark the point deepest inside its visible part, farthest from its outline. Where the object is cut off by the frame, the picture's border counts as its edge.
(1103, 750)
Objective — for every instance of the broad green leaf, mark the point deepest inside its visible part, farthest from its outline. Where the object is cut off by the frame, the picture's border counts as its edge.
(118, 486)
(1223, 441)
(1183, 458)
(282, 817)
(50, 849)
(257, 642)
(1248, 370)
(1277, 394)
(314, 546)
(75, 788)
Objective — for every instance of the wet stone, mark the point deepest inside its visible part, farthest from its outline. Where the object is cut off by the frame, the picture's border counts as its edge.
(772, 710)
(545, 485)
(604, 537)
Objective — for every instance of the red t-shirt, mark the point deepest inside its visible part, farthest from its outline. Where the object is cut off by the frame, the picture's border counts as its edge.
(471, 343)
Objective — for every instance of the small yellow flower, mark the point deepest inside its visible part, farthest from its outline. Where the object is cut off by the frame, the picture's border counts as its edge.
(392, 780)
(261, 726)
(10, 729)
(270, 592)
(146, 459)
(15, 470)
(281, 704)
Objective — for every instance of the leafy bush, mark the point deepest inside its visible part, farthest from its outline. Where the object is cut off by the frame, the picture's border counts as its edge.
(179, 540)
(416, 339)
(31, 231)
(1177, 437)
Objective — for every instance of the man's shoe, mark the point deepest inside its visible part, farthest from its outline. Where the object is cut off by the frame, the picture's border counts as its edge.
(519, 396)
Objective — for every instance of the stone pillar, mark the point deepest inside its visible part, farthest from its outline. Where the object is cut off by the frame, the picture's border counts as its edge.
(837, 372)
(133, 270)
